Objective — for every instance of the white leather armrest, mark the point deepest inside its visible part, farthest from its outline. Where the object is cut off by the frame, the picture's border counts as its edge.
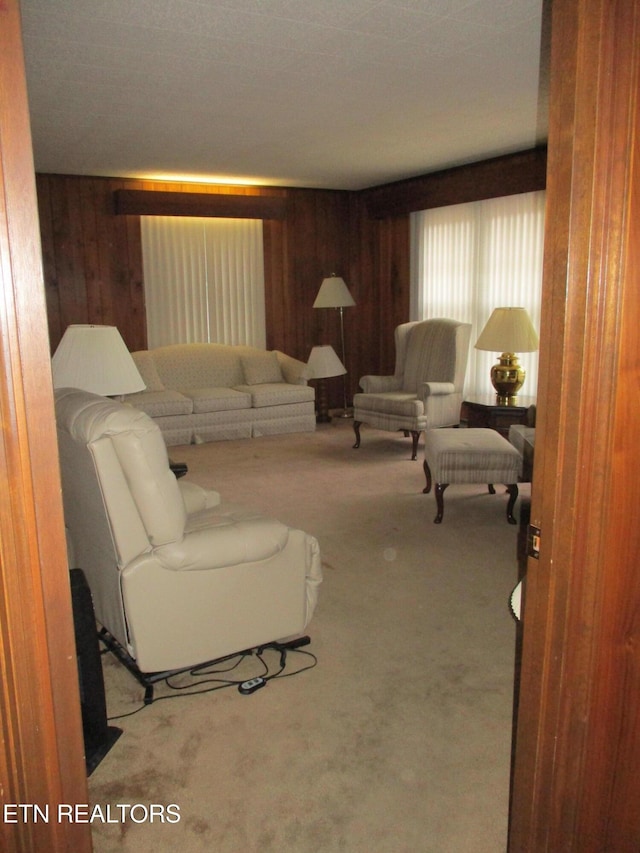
(379, 384)
(435, 389)
(224, 539)
(196, 498)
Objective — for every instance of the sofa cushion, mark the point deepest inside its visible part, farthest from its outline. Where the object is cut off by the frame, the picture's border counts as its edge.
(277, 394)
(217, 399)
(261, 368)
(161, 403)
(147, 369)
(198, 365)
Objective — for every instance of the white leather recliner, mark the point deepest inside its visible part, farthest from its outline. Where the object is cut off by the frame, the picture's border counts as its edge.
(425, 391)
(175, 578)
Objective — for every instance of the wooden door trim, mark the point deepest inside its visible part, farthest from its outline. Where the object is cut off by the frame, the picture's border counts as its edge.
(41, 753)
(576, 728)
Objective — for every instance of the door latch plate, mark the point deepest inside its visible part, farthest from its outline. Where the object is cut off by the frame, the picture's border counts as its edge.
(533, 542)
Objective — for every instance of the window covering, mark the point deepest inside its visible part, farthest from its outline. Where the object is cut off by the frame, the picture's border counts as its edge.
(204, 280)
(468, 259)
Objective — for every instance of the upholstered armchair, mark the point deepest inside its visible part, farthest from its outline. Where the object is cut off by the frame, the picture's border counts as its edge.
(176, 578)
(425, 390)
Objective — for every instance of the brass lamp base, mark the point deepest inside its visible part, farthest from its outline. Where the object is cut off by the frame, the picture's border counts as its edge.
(507, 377)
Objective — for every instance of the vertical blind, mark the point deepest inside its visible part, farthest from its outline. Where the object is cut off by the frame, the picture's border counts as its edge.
(468, 259)
(204, 280)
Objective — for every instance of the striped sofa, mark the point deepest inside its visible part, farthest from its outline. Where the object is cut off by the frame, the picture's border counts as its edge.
(209, 392)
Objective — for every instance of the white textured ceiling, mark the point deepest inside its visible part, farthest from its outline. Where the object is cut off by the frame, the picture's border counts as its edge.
(340, 94)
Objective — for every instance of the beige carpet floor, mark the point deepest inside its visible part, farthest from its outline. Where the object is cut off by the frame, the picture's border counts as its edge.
(399, 740)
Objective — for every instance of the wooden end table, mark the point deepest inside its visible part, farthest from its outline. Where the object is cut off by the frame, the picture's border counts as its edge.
(482, 410)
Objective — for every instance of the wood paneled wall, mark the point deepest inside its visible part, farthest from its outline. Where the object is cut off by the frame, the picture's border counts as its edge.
(93, 273)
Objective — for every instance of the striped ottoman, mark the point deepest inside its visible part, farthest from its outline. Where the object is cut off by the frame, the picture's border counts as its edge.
(470, 456)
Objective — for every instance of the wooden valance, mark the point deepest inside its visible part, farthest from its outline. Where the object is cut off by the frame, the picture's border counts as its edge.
(161, 203)
(522, 172)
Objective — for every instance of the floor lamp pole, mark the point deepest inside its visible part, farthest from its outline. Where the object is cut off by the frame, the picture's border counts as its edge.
(345, 413)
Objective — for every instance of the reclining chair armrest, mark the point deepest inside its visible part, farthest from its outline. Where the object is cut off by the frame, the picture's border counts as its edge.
(224, 539)
(379, 384)
(436, 389)
(196, 498)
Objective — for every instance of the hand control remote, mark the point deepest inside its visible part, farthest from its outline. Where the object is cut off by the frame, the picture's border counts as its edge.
(251, 686)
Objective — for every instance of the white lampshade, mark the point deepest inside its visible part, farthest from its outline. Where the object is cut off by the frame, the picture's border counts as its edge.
(323, 363)
(508, 330)
(333, 293)
(95, 358)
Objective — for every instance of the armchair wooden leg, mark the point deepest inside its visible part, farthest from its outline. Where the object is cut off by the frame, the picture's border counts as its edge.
(415, 435)
(356, 429)
(427, 474)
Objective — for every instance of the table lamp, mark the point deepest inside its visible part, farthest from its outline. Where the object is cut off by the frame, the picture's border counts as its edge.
(96, 359)
(508, 330)
(324, 363)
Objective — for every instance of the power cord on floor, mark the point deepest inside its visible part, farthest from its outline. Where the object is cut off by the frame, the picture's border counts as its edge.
(204, 672)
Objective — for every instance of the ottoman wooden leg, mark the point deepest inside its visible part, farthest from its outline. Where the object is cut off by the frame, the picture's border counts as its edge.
(440, 487)
(512, 488)
(356, 429)
(427, 474)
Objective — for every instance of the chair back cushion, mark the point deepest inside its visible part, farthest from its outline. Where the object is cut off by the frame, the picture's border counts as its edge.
(436, 351)
(402, 335)
(132, 467)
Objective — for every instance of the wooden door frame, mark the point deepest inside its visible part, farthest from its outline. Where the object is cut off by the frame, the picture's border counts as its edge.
(42, 753)
(575, 784)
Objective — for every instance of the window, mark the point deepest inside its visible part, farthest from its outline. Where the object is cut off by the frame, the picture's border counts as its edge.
(204, 280)
(468, 259)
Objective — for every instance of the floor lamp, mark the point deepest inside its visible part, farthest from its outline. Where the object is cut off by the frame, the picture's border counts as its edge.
(334, 293)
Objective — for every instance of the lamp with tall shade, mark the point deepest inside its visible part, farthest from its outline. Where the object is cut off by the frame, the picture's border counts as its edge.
(508, 330)
(323, 364)
(96, 359)
(334, 293)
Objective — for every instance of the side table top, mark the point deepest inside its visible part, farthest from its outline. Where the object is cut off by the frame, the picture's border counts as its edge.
(488, 401)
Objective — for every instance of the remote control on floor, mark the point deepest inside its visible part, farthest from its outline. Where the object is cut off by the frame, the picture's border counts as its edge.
(251, 686)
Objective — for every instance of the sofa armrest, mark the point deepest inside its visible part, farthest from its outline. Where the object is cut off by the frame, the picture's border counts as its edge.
(379, 384)
(437, 389)
(294, 371)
